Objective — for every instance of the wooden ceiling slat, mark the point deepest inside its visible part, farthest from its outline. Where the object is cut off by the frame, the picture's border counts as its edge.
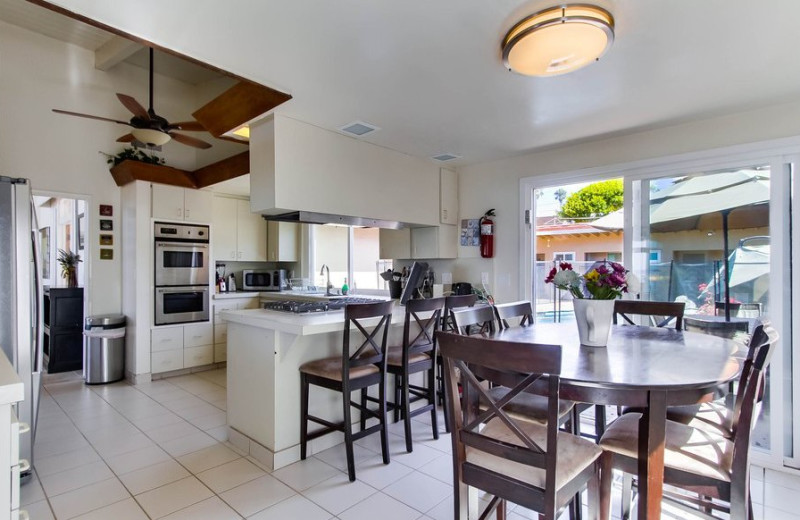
(237, 105)
(223, 170)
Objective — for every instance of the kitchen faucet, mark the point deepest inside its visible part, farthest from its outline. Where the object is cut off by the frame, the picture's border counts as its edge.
(327, 270)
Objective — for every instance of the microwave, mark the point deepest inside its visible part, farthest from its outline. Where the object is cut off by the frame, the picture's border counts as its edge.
(181, 304)
(262, 280)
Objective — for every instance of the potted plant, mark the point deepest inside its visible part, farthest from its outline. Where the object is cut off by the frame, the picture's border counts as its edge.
(69, 265)
(593, 297)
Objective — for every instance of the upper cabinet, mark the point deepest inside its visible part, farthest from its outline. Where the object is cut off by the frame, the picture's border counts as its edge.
(237, 234)
(394, 243)
(283, 241)
(434, 242)
(174, 203)
(448, 196)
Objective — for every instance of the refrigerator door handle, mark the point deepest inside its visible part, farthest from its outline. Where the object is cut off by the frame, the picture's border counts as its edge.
(38, 339)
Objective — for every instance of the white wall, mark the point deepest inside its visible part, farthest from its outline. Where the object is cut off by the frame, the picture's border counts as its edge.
(59, 153)
(496, 184)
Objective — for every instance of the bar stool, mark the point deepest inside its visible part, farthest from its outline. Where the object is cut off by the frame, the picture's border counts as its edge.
(416, 355)
(365, 367)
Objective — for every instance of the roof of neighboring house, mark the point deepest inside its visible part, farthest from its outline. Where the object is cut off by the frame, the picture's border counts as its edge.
(552, 225)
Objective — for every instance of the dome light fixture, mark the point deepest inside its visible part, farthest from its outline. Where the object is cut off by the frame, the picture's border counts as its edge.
(558, 40)
(151, 137)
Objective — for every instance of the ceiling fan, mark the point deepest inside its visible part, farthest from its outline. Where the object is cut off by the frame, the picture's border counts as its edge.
(149, 127)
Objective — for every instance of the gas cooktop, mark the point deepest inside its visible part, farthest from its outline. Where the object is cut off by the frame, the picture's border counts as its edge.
(302, 307)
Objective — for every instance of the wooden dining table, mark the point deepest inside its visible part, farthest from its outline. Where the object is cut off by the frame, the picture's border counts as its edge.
(646, 367)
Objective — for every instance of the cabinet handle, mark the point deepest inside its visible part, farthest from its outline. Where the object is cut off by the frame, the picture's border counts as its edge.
(239, 255)
(24, 465)
(186, 213)
(179, 212)
(24, 427)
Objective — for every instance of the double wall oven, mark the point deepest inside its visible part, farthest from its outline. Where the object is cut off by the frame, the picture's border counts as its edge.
(181, 273)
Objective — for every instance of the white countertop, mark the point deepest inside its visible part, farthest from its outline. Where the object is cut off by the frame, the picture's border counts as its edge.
(237, 294)
(11, 388)
(301, 324)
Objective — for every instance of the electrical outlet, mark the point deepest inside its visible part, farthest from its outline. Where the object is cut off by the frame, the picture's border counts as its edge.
(447, 278)
(484, 277)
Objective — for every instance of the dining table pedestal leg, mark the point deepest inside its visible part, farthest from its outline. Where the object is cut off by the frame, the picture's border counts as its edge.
(652, 433)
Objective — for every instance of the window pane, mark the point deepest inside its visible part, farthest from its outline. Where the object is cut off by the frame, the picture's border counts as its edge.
(330, 248)
(367, 264)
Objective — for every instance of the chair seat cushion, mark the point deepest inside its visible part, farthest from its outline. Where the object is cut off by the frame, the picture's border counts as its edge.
(331, 368)
(688, 449)
(714, 416)
(395, 357)
(526, 406)
(574, 454)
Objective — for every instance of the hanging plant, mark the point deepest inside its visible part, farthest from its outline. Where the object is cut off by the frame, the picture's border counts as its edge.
(133, 154)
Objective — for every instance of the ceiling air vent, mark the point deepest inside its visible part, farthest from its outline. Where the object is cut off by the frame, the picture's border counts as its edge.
(358, 128)
(445, 157)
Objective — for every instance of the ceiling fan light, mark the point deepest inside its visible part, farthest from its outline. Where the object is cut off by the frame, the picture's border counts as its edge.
(558, 40)
(151, 137)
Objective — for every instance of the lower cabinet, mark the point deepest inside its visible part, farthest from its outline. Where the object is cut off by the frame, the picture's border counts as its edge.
(221, 328)
(187, 346)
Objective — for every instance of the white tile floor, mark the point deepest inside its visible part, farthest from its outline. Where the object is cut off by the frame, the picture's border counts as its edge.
(158, 450)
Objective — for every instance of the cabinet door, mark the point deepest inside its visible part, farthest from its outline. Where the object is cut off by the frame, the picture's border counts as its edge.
(448, 196)
(395, 243)
(167, 202)
(223, 228)
(251, 234)
(170, 338)
(197, 205)
(448, 241)
(282, 241)
(425, 242)
(198, 356)
(166, 361)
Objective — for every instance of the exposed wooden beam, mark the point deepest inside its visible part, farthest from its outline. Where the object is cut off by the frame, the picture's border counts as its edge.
(115, 50)
(129, 171)
(238, 105)
(223, 170)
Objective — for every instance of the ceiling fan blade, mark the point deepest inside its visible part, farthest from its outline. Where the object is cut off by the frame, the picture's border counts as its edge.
(67, 112)
(187, 126)
(127, 138)
(134, 106)
(190, 141)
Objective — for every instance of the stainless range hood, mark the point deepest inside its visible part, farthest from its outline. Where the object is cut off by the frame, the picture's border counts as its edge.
(310, 217)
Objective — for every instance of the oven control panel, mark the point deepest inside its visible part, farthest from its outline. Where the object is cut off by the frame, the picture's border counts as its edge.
(180, 232)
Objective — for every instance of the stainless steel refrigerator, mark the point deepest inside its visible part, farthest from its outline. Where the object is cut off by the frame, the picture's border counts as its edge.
(21, 298)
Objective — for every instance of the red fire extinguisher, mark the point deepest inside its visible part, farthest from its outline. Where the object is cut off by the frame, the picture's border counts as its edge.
(487, 234)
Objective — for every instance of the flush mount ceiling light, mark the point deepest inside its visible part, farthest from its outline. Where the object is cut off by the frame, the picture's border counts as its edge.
(558, 40)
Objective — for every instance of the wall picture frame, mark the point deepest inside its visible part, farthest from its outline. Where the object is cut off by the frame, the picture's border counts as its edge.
(106, 240)
(106, 254)
(106, 225)
(106, 210)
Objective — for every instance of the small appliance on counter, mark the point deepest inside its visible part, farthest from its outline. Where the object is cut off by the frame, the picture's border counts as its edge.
(263, 280)
(231, 285)
(462, 288)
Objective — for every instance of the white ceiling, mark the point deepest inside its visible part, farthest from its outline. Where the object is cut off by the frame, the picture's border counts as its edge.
(429, 74)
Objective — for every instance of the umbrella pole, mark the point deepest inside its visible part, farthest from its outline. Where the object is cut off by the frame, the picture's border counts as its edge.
(725, 214)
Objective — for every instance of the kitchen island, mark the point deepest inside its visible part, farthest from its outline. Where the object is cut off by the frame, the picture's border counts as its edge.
(265, 351)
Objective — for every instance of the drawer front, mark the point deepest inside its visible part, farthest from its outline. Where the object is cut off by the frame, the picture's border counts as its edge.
(198, 334)
(220, 333)
(166, 361)
(15, 433)
(229, 305)
(220, 353)
(249, 303)
(15, 483)
(198, 356)
(166, 339)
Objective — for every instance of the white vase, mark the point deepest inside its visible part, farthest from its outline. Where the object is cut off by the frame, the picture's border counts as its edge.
(594, 320)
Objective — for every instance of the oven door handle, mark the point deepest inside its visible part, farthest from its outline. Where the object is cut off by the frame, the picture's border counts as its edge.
(171, 290)
(181, 245)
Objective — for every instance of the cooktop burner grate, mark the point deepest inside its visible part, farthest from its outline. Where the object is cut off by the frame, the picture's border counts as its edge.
(303, 307)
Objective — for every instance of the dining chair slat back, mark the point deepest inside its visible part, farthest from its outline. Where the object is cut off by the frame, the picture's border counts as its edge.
(453, 302)
(722, 329)
(666, 312)
(508, 311)
(474, 320)
(497, 452)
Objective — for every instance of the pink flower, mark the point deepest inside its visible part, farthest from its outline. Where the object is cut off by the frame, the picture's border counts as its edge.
(565, 266)
(618, 268)
(550, 276)
(602, 270)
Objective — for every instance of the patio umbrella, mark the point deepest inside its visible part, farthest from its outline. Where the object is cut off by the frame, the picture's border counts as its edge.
(711, 202)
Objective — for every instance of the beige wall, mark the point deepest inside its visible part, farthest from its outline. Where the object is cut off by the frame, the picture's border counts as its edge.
(497, 184)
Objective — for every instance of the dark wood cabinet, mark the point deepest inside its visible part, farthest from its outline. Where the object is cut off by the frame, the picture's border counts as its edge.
(63, 329)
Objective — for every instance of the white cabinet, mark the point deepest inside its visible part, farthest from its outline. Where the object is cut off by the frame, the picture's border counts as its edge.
(174, 203)
(395, 243)
(174, 348)
(434, 242)
(221, 327)
(282, 241)
(237, 234)
(448, 196)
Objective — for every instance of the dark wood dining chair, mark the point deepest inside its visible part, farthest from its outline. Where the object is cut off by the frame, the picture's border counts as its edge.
(704, 463)
(355, 369)
(452, 303)
(417, 354)
(740, 310)
(528, 463)
(722, 329)
(474, 320)
(509, 311)
(661, 312)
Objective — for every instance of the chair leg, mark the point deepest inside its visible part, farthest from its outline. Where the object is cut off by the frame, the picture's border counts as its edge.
(397, 397)
(594, 494)
(432, 401)
(303, 415)
(627, 492)
(606, 479)
(363, 416)
(348, 435)
(383, 419)
(599, 421)
(501, 510)
(405, 405)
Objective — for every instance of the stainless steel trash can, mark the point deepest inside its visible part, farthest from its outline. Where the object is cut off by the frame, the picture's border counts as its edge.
(104, 348)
